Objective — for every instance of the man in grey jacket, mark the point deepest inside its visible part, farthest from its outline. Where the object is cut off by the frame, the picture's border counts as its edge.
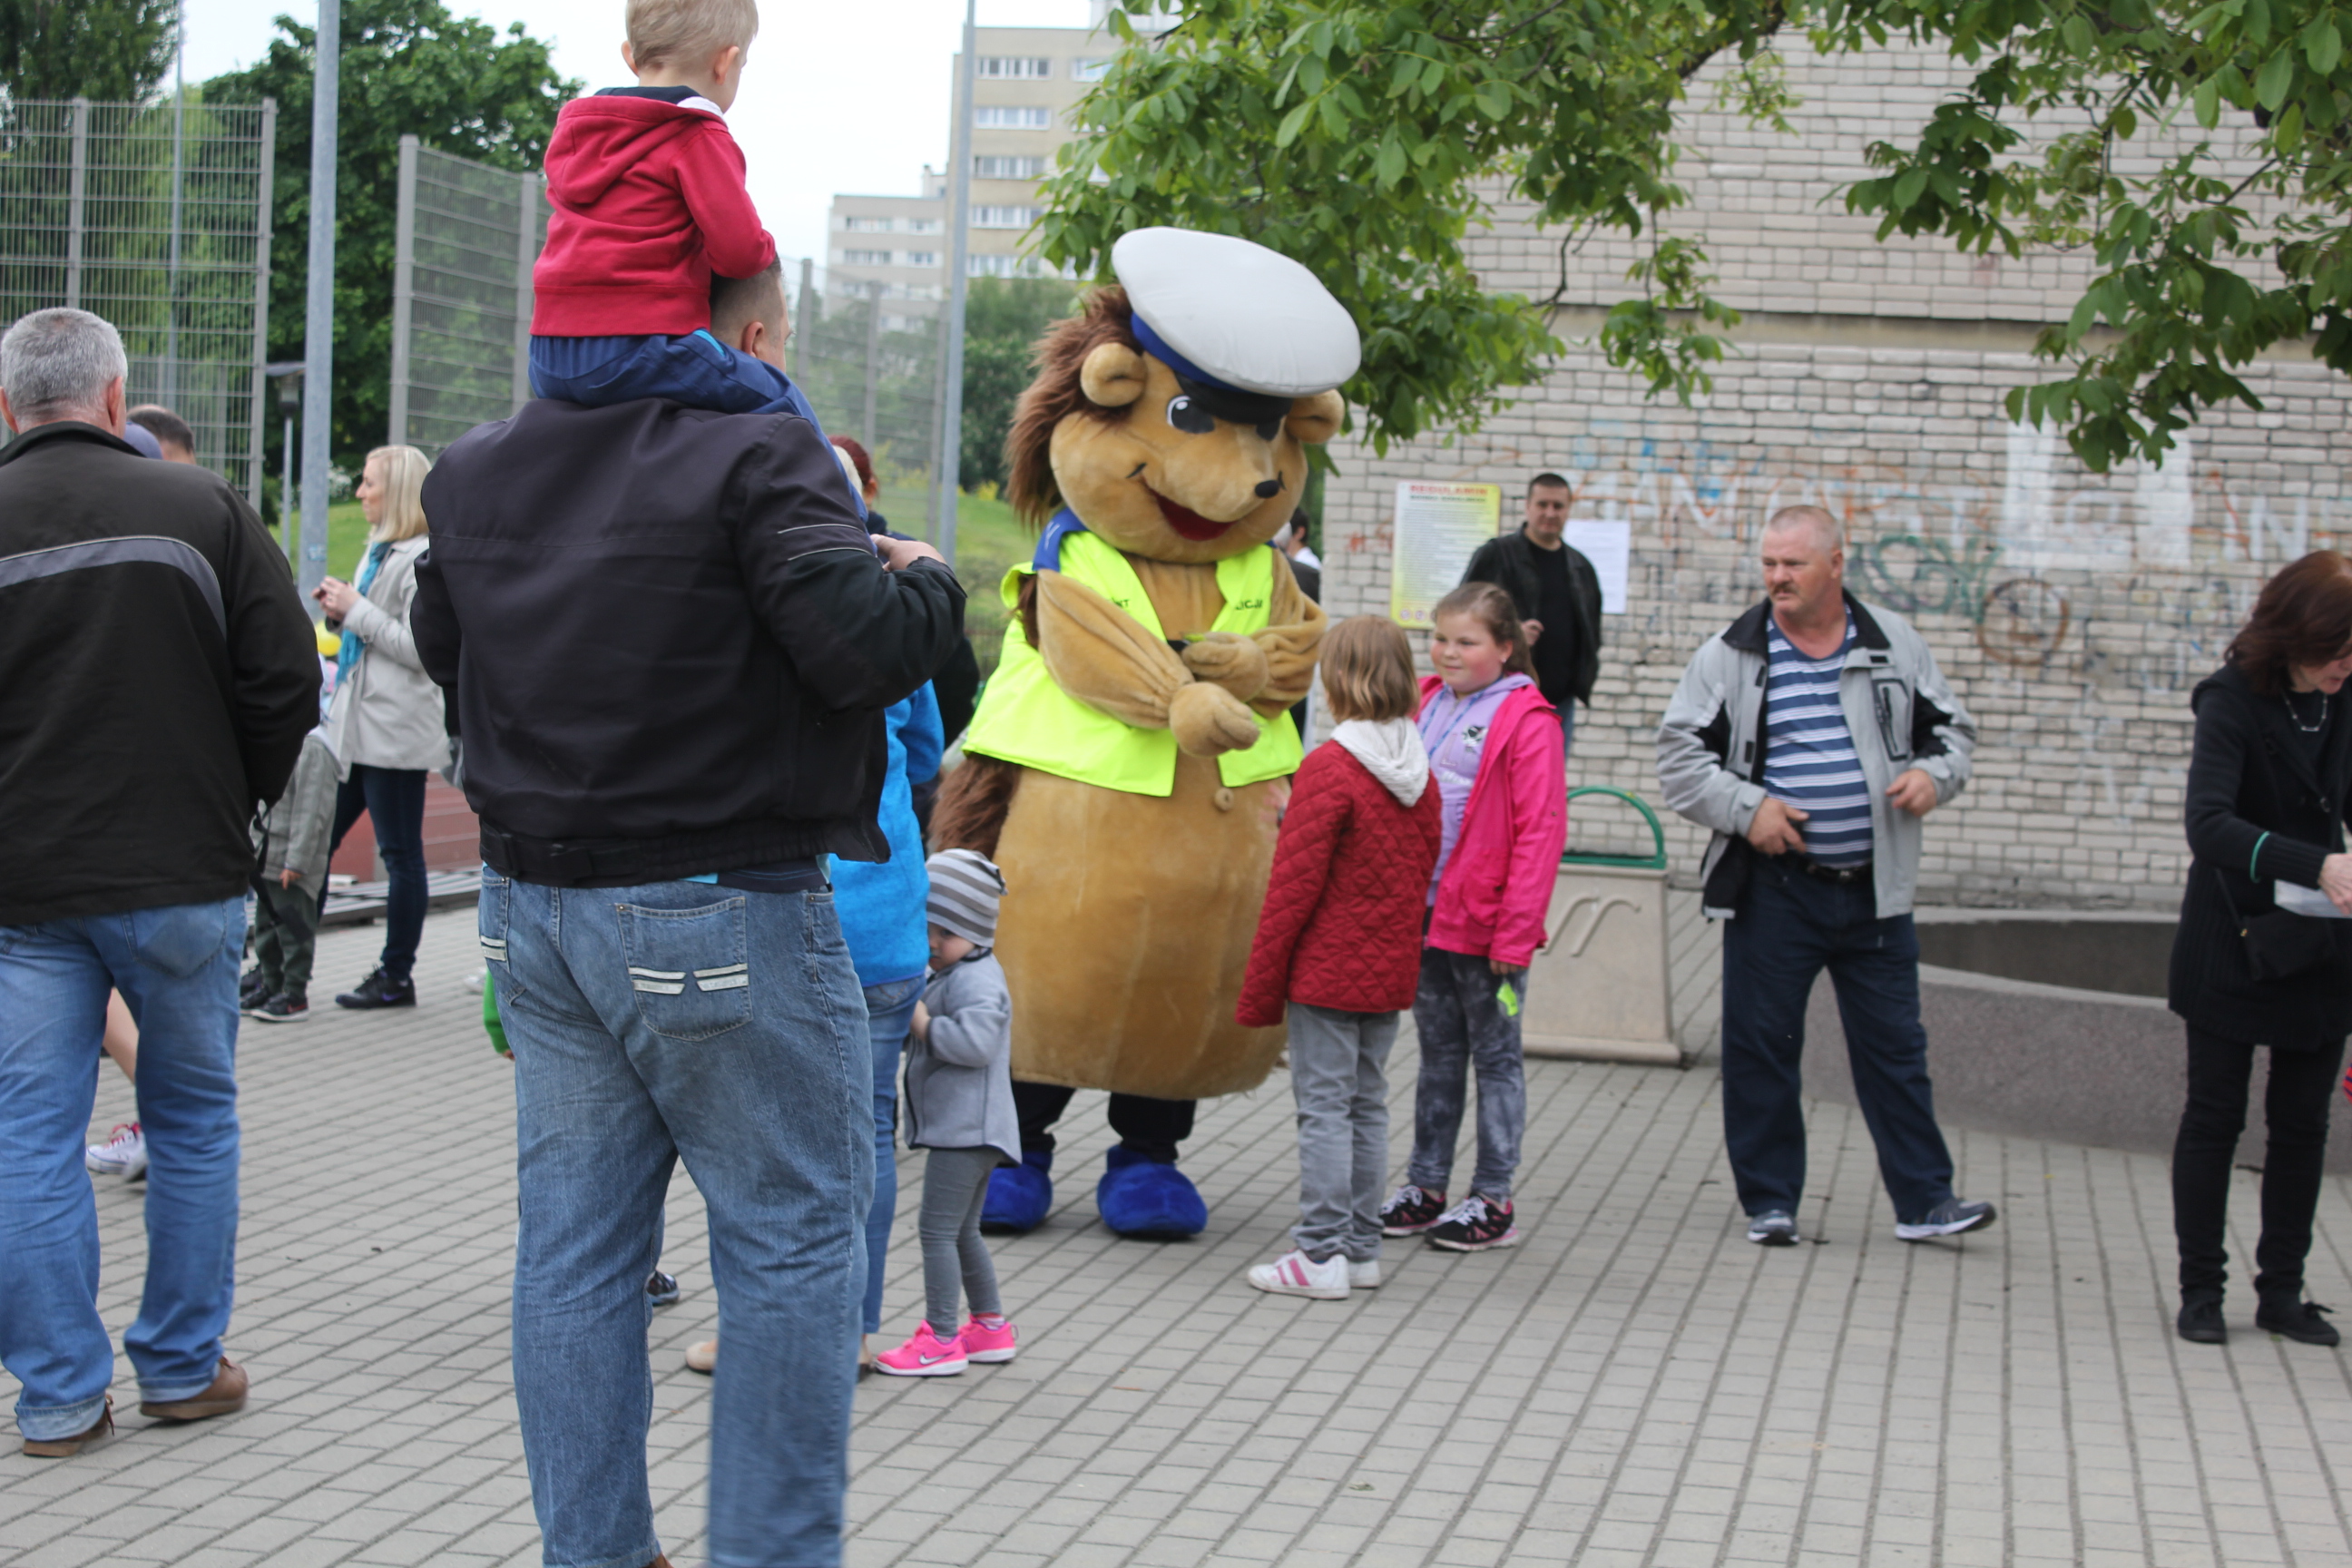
(1811, 735)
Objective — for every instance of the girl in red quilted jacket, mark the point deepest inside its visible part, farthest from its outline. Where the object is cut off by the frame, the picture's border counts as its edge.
(1496, 752)
(1338, 947)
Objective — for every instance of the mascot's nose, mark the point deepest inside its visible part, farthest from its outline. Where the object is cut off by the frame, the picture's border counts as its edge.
(1269, 489)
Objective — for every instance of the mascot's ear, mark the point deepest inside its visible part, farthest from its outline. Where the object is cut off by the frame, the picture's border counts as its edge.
(1112, 376)
(1315, 420)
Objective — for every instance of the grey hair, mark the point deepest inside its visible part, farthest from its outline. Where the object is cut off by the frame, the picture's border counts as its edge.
(59, 362)
(1826, 529)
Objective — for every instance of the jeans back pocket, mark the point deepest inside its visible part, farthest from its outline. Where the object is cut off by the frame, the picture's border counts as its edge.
(689, 969)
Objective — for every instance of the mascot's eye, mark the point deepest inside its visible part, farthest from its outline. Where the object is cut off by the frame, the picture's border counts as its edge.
(1189, 417)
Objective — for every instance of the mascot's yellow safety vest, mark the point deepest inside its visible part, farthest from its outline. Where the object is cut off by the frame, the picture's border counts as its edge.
(1024, 718)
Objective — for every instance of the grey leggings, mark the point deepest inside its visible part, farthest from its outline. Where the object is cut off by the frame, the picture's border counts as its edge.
(955, 1187)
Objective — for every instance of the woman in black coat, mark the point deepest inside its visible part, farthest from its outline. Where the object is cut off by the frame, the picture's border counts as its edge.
(2270, 782)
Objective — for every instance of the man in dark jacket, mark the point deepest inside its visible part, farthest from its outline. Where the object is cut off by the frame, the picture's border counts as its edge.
(157, 675)
(671, 641)
(1558, 594)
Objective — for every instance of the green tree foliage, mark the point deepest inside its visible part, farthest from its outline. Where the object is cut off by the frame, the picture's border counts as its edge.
(110, 51)
(1364, 137)
(1004, 317)
(408, 67)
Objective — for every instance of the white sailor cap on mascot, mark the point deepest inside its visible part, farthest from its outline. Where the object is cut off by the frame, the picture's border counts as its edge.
(1124, 764)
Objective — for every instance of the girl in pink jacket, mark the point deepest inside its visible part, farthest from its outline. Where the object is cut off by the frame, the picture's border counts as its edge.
(1498, 755)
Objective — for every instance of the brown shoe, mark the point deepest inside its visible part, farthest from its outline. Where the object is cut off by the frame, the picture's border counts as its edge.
(225, 1398)
(67, 1447)
(702, 1357)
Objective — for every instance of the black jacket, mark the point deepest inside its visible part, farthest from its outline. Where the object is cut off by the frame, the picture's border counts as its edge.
(669, 641)
(1509, 563)
(2248, 776)
(157, 675)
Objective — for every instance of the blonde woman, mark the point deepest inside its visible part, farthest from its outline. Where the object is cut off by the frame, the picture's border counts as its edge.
(385, 722)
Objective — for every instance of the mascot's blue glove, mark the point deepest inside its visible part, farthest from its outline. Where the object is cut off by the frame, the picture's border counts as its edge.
(1019, 1196)
(1142, 1198)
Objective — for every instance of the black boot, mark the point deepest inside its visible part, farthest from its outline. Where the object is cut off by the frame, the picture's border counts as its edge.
(2301, 1320)
(379, 990)
(2200, 1322)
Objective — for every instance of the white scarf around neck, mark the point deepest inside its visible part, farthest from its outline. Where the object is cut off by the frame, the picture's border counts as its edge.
(1391, 752)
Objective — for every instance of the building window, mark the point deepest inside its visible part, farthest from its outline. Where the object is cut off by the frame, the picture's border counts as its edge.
(1012, 117)
(1089, 70)
(992, 166)
(1006, 267)
(1003, 217)
(922, 226)
(922, 258)
(1017, 67)
(865, 258)
(866, 225)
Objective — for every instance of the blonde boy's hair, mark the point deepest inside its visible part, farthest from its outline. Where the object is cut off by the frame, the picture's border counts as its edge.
(404, 469)
(689, 30)
(1368, 670)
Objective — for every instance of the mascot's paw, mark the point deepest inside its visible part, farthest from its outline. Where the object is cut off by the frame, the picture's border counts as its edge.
(1147, 1199)
(1019, 1196)
(1230, 660)
(1209, 720)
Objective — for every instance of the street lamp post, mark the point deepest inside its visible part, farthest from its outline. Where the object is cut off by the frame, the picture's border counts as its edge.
(319, 323)
(959, 252)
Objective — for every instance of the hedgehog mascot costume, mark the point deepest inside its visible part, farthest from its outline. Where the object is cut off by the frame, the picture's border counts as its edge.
(1130, 757)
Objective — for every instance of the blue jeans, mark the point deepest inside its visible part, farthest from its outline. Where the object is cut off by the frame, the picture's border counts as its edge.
(696, 370)
(394, 799)
(1789, 928)
(651, 1023)
(890, 1009)
(176, 967)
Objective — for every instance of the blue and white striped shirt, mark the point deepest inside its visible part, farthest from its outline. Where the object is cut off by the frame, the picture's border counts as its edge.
(1808, 756)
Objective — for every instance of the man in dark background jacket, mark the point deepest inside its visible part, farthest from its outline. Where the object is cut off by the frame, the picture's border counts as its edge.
(1558, 594)
(670, 640)
(157, 675)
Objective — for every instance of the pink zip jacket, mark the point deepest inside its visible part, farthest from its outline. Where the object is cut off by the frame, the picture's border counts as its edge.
(1495, 892)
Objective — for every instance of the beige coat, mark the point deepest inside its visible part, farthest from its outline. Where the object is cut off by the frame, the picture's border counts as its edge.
(387, 711)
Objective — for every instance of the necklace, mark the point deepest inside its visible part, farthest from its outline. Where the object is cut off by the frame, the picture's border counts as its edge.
(2306, 729)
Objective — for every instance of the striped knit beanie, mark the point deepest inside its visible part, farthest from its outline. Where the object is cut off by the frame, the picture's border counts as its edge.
(965, 885)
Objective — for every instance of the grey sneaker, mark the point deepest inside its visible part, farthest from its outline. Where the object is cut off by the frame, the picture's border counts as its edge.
(1773, 1227)
(1949, 1217)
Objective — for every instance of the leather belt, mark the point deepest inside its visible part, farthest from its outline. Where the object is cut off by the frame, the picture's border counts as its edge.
(1840, 874)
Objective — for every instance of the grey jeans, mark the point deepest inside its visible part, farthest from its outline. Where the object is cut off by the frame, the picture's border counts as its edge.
(1457, 1012)
(1339, 1076)
(955, 1188)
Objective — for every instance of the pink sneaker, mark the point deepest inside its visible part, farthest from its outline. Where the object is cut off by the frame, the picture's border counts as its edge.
(925, 1356)
(984, 1343)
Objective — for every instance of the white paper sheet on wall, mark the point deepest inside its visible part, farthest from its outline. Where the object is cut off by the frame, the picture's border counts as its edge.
(1609, 547)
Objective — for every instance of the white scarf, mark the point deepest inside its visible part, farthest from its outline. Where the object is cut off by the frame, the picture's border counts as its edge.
(1391, 752)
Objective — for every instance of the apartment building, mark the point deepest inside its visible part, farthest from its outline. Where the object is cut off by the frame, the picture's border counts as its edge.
(1025, 84)
(896, 246)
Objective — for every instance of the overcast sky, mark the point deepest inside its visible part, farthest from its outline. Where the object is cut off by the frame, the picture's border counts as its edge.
(838, 97)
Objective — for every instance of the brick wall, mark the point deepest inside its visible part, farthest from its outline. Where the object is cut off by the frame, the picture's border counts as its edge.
(2072, 612)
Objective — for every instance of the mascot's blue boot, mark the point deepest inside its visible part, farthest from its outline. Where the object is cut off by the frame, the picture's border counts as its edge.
(1147, 1199)
(1019, 1196)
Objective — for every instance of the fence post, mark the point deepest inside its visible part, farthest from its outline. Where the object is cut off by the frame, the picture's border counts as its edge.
(803, 320)
(403, 292)
(872, 354)
(526, 255)
(268, 165)
(77, 190)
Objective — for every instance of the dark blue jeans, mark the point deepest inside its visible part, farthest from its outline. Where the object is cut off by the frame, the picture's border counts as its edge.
(394, 799)
(697, 369)
(1789, 928)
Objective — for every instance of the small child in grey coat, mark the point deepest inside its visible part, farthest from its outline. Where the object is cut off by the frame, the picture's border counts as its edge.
(290, 848)
(958, 1106)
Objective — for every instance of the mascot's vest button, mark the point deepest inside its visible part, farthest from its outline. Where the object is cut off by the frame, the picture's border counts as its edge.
(1224, 799)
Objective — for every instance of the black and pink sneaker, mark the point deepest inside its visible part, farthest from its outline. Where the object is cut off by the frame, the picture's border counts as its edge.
(1409, 1211)
(1474, 1224)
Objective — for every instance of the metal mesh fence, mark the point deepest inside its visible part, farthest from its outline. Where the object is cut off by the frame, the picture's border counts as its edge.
(157, 218)
(467, 236)
(466, 239)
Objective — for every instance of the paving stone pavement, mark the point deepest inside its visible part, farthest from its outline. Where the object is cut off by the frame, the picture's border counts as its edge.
(1633, 1384)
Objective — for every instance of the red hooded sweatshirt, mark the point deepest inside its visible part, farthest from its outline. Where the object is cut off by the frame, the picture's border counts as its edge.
(649, 204)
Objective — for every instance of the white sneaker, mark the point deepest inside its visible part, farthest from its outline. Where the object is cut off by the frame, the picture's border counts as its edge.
(1295, 1274)
(1364, 1275)
(124, 1153)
